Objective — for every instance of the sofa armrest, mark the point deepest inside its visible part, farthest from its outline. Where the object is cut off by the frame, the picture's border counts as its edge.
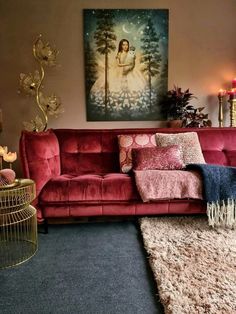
(40, 159)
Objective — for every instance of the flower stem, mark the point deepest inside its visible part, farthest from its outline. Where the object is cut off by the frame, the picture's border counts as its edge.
(39, 85)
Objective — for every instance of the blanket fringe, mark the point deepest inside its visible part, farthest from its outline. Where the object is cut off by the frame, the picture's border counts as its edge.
(222, 214)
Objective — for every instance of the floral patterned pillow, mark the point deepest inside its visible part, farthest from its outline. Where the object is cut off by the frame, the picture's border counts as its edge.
(130, 141)
(157, 158)
(188, 143)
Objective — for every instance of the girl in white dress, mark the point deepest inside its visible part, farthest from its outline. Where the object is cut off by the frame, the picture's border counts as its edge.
(131, 79)
(126, 84)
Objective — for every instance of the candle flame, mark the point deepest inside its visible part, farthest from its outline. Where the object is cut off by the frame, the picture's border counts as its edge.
(9, 157)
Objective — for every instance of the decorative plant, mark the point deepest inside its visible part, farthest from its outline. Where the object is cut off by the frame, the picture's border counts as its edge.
(176, 103)
(176, 107)
(31, 84)
(194, 117)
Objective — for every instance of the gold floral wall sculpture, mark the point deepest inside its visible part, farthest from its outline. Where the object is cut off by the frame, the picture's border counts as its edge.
(31, 85)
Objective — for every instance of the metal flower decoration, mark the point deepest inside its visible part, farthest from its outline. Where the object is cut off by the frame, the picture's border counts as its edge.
(44, 53)
(35, 124)
(52, 105)
(31, 84)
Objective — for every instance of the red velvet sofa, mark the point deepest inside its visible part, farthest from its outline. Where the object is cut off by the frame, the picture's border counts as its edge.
(77, 172)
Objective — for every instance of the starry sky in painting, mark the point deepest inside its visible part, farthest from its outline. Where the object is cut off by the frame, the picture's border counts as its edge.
(130, 24)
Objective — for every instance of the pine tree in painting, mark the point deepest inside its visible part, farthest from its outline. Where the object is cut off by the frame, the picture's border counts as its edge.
(90, 67)
(163, 80)
(105, 41)
(162, 90)
(151, 57)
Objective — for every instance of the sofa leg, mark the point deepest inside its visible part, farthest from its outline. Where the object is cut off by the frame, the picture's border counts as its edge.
(44, 228)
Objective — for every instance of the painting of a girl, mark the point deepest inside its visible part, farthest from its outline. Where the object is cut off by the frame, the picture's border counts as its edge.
(122, 79)
(132, 80)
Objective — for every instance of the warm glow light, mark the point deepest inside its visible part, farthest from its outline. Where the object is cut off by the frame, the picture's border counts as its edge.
(222, 92)
(3, 150)
(9, 157)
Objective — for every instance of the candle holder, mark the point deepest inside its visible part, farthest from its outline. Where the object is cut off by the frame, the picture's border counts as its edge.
(232, 112)
(220, 114)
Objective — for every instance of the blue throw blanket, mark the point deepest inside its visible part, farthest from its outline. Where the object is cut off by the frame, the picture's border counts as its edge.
(219, 190)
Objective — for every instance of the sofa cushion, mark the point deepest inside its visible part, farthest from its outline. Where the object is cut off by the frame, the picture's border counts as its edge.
(188, 142)
(119, 187)
(89, 187)
(162, 158)
(86, 152)
(130, 141)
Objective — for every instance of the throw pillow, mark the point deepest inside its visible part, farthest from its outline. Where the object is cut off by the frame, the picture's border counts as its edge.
(157, 158)
(130, 141)
(188, 142)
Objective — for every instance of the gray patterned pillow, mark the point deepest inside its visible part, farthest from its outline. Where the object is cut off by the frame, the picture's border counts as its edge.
(188, 143)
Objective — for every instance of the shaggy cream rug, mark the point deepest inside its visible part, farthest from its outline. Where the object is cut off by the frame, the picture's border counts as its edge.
(194, 266)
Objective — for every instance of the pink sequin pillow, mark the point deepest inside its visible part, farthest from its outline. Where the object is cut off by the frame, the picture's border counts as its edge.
(157, 158)
(130, 141)
(188, 143)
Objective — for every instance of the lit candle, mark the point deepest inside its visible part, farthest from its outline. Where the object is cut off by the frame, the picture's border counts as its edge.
(221, 92)
(234, 83)
(3, 150)
(10, 157)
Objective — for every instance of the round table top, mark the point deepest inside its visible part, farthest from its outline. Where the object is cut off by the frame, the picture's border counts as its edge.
(17, 184)
(17, 195)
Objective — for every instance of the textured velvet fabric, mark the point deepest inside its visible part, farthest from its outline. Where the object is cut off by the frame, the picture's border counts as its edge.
(89, 188)
(218, 145)
(62, 156)
(39, 155)
(123, 208)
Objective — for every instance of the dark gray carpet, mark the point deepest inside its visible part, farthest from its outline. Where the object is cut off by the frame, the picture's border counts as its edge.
(96, 268)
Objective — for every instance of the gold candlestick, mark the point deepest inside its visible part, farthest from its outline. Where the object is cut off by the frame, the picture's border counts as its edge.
(220, 115)
(232, 112)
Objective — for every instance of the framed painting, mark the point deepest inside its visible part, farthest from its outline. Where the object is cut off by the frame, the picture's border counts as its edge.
(126, 63)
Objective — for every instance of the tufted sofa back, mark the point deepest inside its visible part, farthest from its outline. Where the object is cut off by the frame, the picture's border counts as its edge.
(96, 151)
(69, 151)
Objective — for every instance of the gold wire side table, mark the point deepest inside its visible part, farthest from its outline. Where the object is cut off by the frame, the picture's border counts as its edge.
(18, 223)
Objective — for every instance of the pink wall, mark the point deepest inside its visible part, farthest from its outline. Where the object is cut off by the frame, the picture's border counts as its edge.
(202, 55)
